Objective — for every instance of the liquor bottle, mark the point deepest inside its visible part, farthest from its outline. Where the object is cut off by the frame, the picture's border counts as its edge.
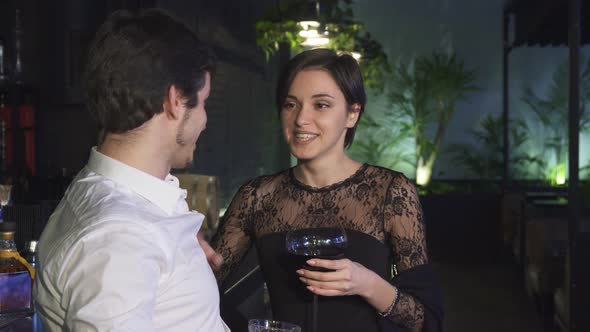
(18, 48)
(3, 74)
(26, 123)
(29, 253)
(2, 140)
(16, 274)
(7, 136)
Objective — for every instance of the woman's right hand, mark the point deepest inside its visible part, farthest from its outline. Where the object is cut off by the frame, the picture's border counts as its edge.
(346, 278)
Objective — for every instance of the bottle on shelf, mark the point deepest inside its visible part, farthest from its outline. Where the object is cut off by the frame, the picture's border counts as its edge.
(18, 48)
(3, 74)
(29, 253)
(7, 136)
(26, 122)
(16, 274)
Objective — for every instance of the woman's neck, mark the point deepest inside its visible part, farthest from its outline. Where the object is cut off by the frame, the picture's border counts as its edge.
(322, 173)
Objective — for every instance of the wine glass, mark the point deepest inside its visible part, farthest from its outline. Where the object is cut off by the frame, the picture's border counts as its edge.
(324, 243)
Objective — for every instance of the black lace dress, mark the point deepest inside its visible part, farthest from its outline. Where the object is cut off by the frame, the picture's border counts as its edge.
(382, 215)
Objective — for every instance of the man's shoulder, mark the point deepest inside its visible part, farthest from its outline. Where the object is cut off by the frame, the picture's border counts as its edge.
(93, 206)
(92, 196)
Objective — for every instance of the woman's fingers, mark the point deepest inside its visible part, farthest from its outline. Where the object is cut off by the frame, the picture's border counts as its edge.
(325, 276)
(341, 287)
(340, 270)
(334, 283)
(345, 278)
(325, 292)
(331, 264)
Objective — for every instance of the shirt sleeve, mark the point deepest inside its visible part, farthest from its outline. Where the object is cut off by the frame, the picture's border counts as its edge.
(111, 279)
(405, 227)
(235, 232)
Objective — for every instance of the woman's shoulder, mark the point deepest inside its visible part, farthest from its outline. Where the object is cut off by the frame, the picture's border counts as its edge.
(385, 173)
(265, 183)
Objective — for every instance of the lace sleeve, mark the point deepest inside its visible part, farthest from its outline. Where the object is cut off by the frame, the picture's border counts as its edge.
(404, 225)
(234, 235)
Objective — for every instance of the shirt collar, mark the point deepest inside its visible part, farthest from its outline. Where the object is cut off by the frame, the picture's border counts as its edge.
(163, 193)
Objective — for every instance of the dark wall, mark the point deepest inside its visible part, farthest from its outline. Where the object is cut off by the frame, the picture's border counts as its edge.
(55, 36)
(462, 228)
(242, 139)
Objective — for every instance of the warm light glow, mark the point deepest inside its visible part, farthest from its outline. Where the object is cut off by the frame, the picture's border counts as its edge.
(309, 31)
(558, 175)
(560, 179)
(307, 25)
(316, 41)
(422, 175)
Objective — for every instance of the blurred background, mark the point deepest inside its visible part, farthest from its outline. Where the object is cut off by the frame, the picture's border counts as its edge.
(470, 99)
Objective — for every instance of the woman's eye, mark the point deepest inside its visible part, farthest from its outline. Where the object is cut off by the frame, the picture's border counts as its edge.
(321, 106)
(289, 105)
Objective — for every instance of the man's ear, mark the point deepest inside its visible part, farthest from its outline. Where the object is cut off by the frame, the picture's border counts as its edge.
(173, 104)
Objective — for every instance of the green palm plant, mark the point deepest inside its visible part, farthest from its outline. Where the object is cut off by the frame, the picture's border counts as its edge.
(379, 143)
(484, 157)
(551, 110)
(426, 93)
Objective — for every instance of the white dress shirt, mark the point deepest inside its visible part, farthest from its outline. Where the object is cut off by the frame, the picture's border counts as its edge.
(120, 254)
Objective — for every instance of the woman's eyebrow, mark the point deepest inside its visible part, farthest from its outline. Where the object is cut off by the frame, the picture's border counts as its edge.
(321, 95)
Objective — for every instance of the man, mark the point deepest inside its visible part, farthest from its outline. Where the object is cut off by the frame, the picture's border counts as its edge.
(120, 252)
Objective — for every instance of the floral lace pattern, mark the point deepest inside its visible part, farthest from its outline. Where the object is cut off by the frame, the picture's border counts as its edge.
(374, 200)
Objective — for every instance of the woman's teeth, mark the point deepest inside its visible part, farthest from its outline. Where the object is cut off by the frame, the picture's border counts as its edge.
(305, 137)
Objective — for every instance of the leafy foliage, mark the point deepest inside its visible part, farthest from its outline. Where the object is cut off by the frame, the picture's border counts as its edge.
(551, 109)
(381, 142)
(270, 35)
(484, 159)
(426, 92)
(346, 35)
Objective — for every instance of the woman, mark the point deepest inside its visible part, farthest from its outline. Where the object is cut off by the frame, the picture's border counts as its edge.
(320, 96)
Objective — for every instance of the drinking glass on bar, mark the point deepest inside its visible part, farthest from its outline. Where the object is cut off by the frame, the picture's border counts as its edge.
(264, 325)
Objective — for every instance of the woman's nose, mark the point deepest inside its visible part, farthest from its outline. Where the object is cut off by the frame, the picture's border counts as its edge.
(303, 116)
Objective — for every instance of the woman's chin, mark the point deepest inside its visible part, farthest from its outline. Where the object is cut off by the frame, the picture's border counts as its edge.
(302, 156)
